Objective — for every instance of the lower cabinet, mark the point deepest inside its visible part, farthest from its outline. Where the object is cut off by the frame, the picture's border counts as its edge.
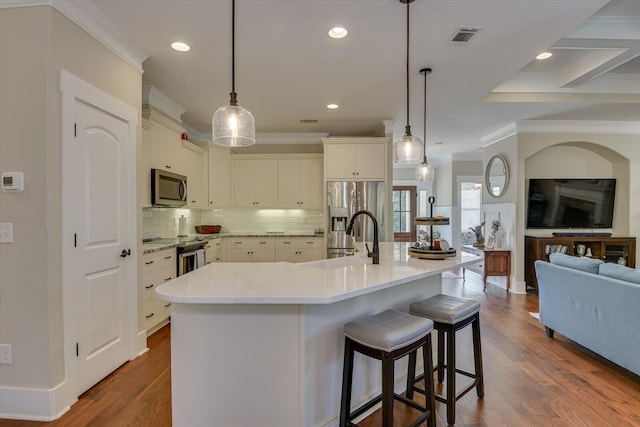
(215, 251)
(298, 249)
(158, 267)
(250, 249)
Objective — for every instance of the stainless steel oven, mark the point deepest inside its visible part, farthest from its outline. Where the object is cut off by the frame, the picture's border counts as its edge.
(190, 256)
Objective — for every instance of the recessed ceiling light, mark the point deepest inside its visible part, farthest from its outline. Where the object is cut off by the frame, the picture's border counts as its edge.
(332, 106)
(181, 47)
(338, 32)
(544, 55)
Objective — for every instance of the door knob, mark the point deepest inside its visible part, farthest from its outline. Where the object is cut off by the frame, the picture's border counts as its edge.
(125, 252)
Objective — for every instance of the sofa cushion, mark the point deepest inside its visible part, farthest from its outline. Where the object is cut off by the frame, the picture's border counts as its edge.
(620, 272)
(588, 265)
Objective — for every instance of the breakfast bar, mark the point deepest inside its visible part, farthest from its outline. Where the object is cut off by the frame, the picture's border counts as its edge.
(262, 343)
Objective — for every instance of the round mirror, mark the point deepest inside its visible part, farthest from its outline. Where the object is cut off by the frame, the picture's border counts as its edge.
(497, 176)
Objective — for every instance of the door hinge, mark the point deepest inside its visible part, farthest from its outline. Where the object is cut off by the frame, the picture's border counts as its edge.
(77, 350)
(75, 130)
(75, 240)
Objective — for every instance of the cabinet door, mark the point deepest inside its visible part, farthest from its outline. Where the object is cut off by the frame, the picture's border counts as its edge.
(308, 254)
(340, 164)
(165, 149)
(370, 161)
(196, 190)
(266, 183)
(219, 177)
(263, 254)
(146, 165)
(289, 183)
(287, 255)
(310, 183)
(238, 255)
(244, 183)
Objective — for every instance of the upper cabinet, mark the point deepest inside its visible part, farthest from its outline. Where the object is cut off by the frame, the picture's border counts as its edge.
(219, 177)
(163, 148)
(255, 183)
(300, 183)
(362, 160)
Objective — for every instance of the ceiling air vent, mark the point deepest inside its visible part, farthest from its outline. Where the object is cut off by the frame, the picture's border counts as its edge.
(308, 121)
(464, 34)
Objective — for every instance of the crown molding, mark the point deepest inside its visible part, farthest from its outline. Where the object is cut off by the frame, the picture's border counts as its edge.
(90, 19)
(159, 117)
(161, 102)
(499, 135)
(578, 126)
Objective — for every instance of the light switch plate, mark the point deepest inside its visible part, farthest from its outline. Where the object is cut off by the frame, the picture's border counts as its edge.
(5, 354)
(6, 232)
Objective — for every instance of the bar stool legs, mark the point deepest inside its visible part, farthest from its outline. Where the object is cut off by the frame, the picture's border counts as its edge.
(370, 337)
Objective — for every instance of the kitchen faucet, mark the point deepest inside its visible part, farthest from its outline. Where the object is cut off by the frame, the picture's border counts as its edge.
(375, 254)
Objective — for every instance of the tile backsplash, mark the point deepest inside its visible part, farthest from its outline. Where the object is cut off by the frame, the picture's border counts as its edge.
(163, 222)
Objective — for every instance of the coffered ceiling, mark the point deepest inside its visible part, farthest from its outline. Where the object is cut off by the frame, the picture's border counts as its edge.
(288, 69)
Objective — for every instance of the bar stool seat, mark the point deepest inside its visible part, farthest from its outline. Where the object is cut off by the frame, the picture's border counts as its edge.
(387, 336)
(449, 315)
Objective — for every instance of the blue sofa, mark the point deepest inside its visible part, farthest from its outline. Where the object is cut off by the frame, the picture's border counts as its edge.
(593, 303)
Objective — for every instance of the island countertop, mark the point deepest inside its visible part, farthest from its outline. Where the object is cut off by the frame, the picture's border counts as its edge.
(316, 282)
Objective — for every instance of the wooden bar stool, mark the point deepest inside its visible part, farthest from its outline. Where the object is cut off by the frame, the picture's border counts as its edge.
(450, 314)
(387, 336)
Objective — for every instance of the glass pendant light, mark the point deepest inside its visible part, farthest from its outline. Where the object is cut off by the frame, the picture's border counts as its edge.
(424, 171)
(233, 125)
(408, 148)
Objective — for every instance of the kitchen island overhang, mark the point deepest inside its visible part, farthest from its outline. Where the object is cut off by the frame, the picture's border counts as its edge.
(261, 344)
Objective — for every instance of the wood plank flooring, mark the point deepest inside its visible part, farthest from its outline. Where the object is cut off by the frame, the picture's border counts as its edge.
(530, 380)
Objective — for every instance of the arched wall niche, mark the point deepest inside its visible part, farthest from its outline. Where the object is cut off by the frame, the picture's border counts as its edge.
(582, 159)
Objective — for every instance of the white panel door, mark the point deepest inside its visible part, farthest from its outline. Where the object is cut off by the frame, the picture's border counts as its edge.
(102, 274)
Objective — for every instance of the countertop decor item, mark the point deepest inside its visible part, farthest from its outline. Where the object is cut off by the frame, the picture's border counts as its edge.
(208, 229)
(435, 249)
(408, 147)
(424, 171)
(233, 125)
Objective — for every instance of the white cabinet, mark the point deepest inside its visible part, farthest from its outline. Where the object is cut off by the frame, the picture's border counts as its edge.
(355, 161)
(250, 249)
(300, 183)
(164, 143)
(196, 165)
(255, 183)
(219, 177)
(158, 267)
(298, 249)
(215, 251)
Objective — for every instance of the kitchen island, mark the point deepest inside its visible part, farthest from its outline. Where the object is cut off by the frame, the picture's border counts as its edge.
(262, 344)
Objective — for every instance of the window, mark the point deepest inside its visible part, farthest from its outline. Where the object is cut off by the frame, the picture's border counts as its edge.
(470, 209)
(404, 212)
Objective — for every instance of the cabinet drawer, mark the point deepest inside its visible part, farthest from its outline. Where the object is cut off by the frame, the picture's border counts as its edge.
(213, 255)
(298, 242)
(155, 311)
(250, 242)
(160, 259)
(155, 278)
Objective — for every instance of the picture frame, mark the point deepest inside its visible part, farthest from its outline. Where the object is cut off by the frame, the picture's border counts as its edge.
(491, 242)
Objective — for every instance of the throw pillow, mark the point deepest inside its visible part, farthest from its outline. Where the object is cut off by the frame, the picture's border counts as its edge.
(620, 272)
(588, 265)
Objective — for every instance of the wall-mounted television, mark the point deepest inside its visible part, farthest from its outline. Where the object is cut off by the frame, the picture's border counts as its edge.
(571, 203)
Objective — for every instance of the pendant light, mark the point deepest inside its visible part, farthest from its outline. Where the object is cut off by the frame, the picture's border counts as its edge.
(424, 171)
(408, 147)
(232, 125)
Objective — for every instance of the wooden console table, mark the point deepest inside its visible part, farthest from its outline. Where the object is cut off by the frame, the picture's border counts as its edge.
(496, 262)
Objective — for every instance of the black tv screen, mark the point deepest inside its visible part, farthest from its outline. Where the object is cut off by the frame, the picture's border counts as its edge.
(571, 203)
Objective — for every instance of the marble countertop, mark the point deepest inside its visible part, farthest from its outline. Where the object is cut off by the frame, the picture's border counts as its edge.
(168, 243)
(316, 282)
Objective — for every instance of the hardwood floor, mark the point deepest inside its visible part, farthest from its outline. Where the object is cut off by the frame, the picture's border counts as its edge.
(530, 380)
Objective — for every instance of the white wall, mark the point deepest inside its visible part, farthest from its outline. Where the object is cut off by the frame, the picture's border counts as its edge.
(35, 43)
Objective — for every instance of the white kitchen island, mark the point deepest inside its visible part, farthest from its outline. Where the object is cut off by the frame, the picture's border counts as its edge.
(262, 344)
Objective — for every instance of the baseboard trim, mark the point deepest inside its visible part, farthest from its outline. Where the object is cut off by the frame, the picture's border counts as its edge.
(34, 404)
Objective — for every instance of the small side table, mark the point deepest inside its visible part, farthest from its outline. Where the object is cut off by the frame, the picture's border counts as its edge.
(496, 262)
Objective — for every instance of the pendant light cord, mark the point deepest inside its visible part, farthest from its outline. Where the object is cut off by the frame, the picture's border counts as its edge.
(233, 96)
(424, 127)
(408, 127)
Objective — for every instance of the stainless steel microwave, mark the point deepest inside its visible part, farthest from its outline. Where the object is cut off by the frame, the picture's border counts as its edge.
(168, 188)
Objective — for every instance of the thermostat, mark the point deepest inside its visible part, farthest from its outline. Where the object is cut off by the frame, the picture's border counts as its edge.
(12, 181)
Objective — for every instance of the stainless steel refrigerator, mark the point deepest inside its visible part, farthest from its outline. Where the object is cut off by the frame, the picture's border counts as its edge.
(344, 198)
